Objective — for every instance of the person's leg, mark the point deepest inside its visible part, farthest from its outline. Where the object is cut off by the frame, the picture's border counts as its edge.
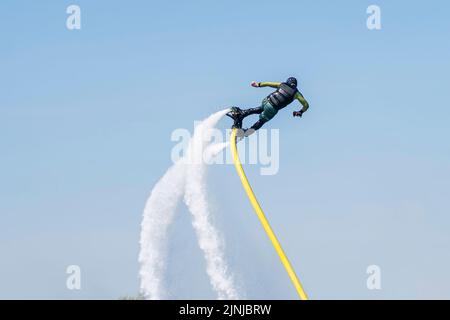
(258, 124)
(268, 112)
(248, 112)
(238, 115)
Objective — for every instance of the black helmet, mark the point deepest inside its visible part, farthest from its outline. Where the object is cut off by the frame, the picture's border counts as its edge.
(292, 82)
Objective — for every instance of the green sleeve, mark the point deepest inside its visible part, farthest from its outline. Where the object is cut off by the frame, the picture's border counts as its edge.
(303, 101)
(270, 84)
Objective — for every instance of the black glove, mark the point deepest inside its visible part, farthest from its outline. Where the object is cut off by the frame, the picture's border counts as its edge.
(298, 113)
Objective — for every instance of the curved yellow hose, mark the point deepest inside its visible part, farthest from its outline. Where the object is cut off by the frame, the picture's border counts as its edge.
(263, 219)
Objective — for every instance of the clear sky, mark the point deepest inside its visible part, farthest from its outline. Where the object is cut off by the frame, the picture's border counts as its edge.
(86, 118)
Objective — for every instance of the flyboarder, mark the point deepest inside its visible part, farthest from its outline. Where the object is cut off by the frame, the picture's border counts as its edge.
(285, 94)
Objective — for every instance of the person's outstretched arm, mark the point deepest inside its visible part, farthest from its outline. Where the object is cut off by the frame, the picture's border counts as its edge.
(304, 103)
(275, 85)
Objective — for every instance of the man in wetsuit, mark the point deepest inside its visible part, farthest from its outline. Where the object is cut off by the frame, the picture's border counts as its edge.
(285, 94)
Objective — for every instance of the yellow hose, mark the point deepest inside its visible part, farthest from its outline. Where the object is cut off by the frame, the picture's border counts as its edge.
(263, 219)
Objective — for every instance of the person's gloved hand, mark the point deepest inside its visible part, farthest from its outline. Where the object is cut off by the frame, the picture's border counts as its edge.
(298, 114)
(255, 84)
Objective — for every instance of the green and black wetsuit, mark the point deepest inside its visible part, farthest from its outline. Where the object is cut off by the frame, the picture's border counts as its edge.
(274, 102)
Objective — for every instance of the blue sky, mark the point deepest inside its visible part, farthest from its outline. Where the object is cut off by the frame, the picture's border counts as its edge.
(86, 118)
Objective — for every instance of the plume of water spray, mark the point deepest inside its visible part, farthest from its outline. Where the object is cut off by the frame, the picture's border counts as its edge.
(187, 177)
(195, 197)
(158, 216)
